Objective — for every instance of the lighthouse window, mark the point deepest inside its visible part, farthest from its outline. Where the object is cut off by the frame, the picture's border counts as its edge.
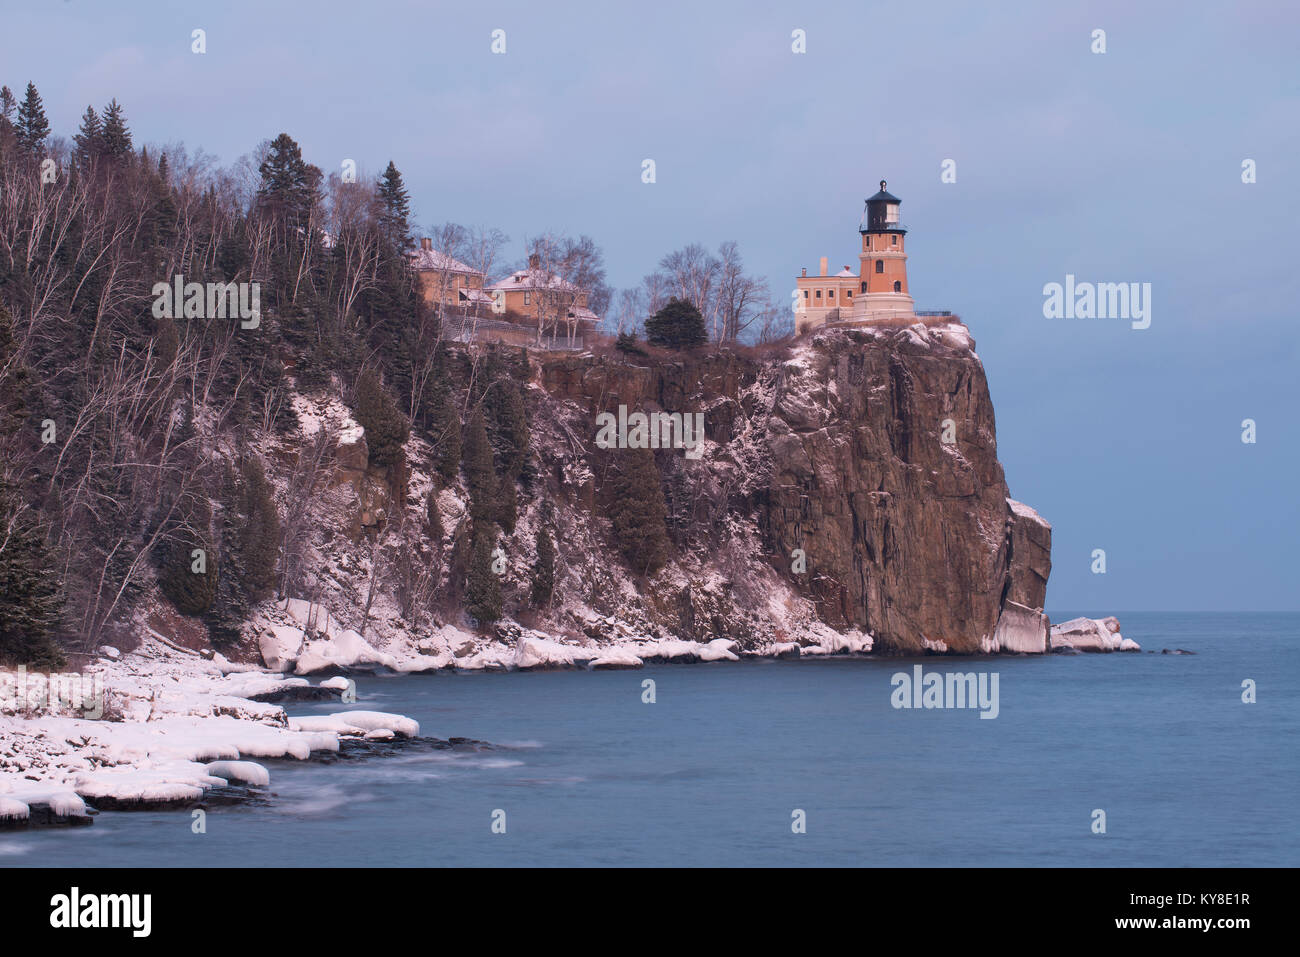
(880, 265)
(898, 286)
(893, 240)
(891, 213)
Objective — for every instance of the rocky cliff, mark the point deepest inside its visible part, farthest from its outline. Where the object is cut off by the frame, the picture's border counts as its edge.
(871, 454)
(846, 497)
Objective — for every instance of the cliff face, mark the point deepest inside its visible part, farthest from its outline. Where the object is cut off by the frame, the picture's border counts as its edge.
(847, 497)
(874, 453)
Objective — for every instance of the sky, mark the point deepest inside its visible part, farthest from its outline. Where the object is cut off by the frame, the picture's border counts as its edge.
(1122, 166)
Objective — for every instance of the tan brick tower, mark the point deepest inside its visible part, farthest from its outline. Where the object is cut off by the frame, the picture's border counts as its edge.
(882, 291)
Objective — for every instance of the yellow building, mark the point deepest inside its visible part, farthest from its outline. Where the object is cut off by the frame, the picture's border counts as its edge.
(447, 280)
(543, 299)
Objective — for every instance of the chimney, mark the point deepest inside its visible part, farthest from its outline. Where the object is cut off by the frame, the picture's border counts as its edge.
(534, 261)
(823, 272)
(805, 271)
(426, 243)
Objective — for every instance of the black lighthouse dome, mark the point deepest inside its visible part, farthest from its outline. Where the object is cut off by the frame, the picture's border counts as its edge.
(881, 214)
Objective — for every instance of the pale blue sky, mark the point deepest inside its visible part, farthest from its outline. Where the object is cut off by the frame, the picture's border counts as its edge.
(1116, 167)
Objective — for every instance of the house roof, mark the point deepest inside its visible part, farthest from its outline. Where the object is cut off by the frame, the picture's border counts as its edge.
(532, 279)
(432, 259)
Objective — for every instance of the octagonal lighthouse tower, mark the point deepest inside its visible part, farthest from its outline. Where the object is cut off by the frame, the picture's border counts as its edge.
(882, 293)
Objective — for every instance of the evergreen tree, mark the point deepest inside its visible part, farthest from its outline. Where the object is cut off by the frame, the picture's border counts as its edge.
(638, 511)
(678, 325)
(32, 128)
(116, 136)
(386, 427)
(232, 603)
(627, 343)
(8, 108)
(259, 540)
(507, 421)
(482, 590)
(290, 185)
(394, 210)
(507, 503)
(89, 138)
(444, 430)
(30, 600)
(15, 379)
(480, 476)
(543, 568)
(192, 592)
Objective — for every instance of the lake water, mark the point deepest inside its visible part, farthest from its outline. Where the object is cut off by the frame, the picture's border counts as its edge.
(711, 773)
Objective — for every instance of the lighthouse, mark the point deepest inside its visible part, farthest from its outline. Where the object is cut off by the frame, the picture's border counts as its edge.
(882, 291)
(878, 291)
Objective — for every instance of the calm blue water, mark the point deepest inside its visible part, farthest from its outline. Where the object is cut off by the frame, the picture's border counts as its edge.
(709, 775)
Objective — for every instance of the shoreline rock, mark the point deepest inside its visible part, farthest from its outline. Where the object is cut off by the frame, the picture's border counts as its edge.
(1091, 635)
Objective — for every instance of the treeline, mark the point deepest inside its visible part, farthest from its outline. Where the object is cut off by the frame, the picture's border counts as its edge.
(131, 439)
(119, 426)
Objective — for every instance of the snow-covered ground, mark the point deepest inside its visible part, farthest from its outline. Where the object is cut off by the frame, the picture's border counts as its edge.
(174, 726)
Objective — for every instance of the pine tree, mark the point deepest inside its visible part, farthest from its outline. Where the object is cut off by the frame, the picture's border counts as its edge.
(8, 105)
(233, 602)
(30, 600)
(678, 325)
(15, 379)
(192, 592)
(543, 568)
(482, 590)
(394, 209)
(116, 135)
(507, 503)
(444, 429)
(89, 138)
(627, 343)
(386, 427)
(480, 476)
(638, 511)
(507, 421)
(290, 185)
(32, 127)
(259, 541)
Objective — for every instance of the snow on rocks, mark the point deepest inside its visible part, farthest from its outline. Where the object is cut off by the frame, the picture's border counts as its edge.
(248, 772)
(358, 723)
(828, 641)
(615, 657)
(1091, 634)
(12, 809)
(317, 643)
(176, 726)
